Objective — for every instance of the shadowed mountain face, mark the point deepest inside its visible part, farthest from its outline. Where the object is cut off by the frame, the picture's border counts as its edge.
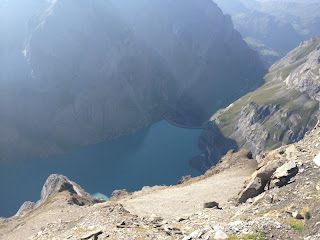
(85, 71)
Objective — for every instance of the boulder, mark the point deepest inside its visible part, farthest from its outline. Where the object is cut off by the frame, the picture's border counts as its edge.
(283, 174)
(255, 185)
(212, 204)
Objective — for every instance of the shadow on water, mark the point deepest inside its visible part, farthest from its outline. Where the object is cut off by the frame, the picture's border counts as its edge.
(155, 155)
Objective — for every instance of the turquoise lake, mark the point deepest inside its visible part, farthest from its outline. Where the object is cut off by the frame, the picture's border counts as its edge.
(156, 155)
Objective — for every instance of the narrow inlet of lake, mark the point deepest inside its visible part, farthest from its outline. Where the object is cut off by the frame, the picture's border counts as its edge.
(156, 155)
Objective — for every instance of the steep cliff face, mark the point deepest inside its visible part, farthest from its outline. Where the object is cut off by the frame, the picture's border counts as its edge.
(279, 112)
(95, 70)
(199, 46)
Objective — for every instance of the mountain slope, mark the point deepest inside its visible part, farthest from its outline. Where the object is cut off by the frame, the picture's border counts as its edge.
(96, 70)
(274, 27)
(280, 112)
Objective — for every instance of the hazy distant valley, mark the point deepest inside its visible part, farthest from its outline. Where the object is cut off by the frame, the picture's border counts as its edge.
(272, 27)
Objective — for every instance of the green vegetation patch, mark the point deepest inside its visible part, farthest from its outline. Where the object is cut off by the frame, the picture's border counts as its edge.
(267, 52)
(254, 42)
(307, 215)
(261, 47)
(295, 224)
(252, 236)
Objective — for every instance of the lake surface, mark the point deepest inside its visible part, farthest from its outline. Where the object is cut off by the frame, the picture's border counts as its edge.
(155, 155)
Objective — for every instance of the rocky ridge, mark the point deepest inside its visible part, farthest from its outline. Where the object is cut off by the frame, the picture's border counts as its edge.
(280, 112)
(57, 183)
(284, 205)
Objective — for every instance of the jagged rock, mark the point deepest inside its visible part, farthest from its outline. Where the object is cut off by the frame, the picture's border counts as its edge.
(58, 183)
(256, 184)
(184, 179)
(283, 174)
(118, 194)
(25, 208)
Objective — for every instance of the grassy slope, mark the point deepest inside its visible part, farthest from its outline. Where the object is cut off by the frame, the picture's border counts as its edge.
(275, 93)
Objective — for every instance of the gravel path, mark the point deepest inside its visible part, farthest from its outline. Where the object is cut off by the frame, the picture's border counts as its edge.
(173, 202)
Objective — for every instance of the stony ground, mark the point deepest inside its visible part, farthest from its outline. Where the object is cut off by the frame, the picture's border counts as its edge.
(269, 211)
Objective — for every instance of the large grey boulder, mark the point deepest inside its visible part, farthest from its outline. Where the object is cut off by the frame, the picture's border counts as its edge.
(283, 174)
(260, 179)
(276, 169)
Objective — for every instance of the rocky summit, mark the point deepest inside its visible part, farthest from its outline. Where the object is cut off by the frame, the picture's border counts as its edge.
(277, 198)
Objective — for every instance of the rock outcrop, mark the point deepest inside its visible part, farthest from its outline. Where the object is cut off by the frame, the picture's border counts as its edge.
(118, 194)
(93, 70)
(274, 170)
(54, 185)
(278, 113)
(25, 208)
(57, 183)
(283, 174)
